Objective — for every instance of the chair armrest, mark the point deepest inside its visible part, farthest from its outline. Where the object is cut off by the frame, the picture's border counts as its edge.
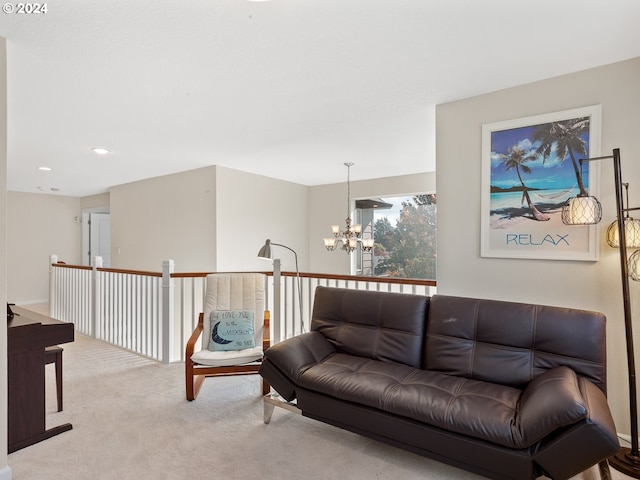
(191, 343)
(266, 331)
(550, 401)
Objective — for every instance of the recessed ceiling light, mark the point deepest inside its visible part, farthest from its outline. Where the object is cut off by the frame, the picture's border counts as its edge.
(45, 169)
(100, 150)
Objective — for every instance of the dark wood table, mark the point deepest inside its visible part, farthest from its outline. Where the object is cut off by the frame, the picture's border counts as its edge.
(28, 334)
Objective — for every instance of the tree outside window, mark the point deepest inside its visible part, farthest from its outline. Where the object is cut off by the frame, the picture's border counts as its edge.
(404, 230)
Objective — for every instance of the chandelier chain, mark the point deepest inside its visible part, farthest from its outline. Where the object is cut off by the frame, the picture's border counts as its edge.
(349, 238)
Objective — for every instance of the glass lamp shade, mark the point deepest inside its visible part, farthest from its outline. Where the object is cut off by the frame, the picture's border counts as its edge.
(330, 243)
(634, 266)
(367, 244)
(631, 233)
(582, 211)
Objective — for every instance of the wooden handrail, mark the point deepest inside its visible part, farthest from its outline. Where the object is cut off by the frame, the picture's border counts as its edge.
(77, 267)
(362, 278)
(327, 276)
(112, 270)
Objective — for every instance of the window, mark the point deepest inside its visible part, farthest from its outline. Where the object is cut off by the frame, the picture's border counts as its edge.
(404, 230)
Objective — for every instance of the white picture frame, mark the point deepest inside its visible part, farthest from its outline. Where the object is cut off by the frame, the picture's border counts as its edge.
(525, 184)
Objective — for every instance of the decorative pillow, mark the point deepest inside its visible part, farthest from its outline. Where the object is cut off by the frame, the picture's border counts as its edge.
(231, 330)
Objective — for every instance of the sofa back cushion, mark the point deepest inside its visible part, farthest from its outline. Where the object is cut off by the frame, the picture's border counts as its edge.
(512, 343)
(378, 325)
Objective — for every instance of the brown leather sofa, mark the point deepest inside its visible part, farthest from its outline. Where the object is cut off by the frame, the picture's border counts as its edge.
(505, 390)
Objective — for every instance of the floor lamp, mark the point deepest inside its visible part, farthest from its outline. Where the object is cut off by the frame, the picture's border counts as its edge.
(265, 252)
(586, 210)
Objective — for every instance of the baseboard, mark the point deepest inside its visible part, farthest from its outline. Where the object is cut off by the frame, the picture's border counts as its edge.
(625, 437)
(5, 473)
(31, 302)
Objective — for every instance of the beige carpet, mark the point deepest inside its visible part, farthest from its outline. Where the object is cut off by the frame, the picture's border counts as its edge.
(131, 421)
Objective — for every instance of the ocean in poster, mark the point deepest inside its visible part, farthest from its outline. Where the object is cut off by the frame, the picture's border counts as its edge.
(501, 200)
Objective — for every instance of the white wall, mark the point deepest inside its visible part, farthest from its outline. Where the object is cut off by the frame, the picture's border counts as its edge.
(590, 285)
(95, 201)
(209, 219)
(39, 225)
(162, 218)
(252, 208)
(328, 206)
(47, 226)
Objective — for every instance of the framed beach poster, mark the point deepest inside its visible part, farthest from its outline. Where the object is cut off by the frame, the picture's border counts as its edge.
(530, 168)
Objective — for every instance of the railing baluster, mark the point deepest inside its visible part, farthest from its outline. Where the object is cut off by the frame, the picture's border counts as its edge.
(126, 307)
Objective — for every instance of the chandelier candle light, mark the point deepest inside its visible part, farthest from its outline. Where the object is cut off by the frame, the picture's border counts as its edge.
(348, 238)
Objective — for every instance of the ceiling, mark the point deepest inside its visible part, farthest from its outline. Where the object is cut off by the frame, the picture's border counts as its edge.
(289, 89)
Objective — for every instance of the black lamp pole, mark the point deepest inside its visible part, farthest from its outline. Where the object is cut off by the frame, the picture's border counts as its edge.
(626, 460)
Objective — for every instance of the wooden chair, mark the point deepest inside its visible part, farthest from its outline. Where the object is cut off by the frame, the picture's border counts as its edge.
(54, 355)
(228, 295)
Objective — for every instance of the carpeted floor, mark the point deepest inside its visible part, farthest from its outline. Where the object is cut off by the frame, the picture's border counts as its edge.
(131, 421)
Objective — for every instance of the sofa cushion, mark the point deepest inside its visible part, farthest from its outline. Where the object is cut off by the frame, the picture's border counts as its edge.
(227, 358)
(477, 338)
(377, 325)
(479, 409)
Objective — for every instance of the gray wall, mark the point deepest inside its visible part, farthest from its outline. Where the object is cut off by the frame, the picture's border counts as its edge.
(328, 206)
(590, 285)
(5, 471)
(252, 208)
(210, 219)
(39, 225)
(162, 218)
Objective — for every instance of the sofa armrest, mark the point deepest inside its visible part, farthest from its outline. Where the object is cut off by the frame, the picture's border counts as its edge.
(599, 413)
(550, 401)
(595, 438)
(297, 354)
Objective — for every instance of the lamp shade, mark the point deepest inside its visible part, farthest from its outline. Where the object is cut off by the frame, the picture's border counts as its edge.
(265, 250)
(634, 266)
(582, 211)
(330, 243)
(631, 233)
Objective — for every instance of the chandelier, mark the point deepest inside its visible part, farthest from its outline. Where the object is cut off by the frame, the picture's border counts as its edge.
(349, 238)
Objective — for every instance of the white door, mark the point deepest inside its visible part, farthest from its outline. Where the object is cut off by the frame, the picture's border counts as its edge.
(100, 237)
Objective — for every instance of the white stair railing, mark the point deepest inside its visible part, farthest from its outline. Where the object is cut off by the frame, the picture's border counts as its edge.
(154, 313)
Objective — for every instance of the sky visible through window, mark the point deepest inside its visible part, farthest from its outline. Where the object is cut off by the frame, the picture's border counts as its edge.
(393, 213)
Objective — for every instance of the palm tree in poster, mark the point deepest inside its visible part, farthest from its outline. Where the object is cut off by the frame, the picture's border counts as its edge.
(515, 159)
(567, 138)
